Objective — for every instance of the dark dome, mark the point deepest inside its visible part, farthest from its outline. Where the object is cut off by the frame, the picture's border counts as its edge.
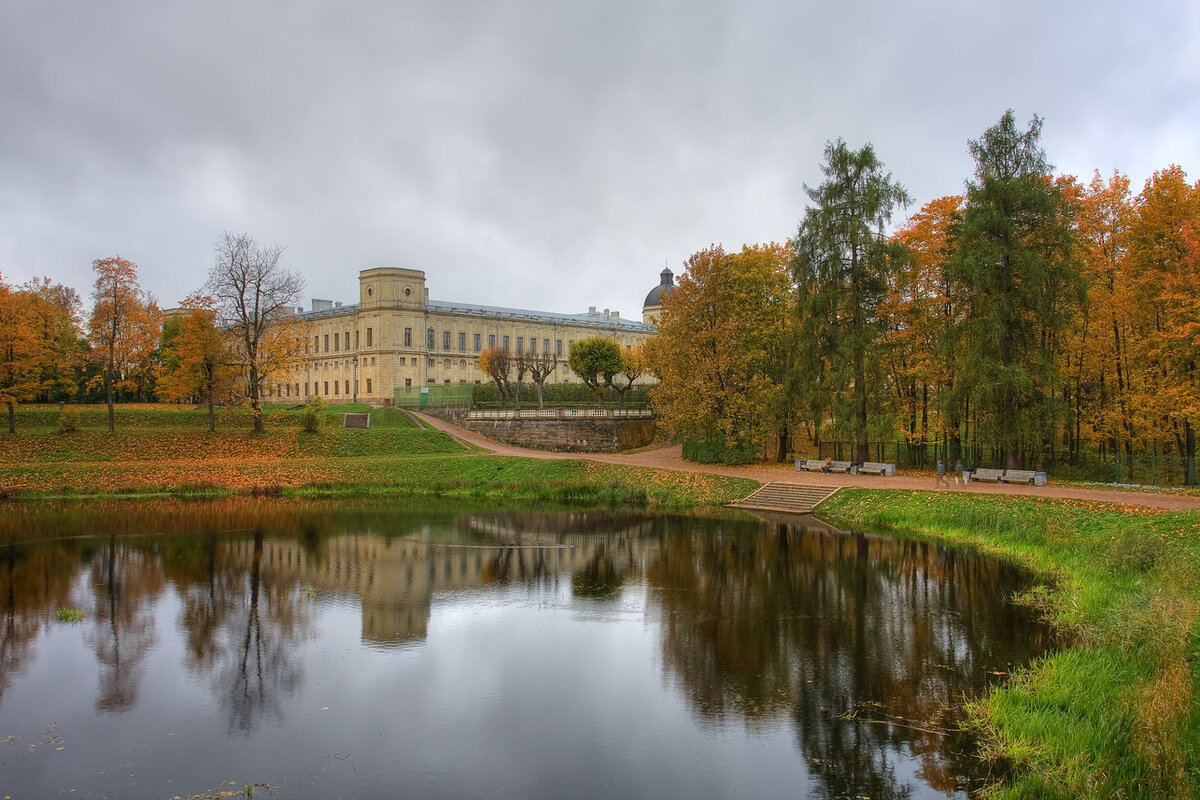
(664, 289)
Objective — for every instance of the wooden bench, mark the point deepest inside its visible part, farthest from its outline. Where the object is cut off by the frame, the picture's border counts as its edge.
(840, 466)
(811, 465)
(987, 475)
(1024, 476)
(876, 468)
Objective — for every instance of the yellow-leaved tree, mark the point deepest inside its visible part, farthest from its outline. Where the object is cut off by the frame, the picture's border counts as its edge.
(725, 350)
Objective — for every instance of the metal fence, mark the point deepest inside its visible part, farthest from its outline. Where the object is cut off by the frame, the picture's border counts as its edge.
(1142, 469)
(454, 394)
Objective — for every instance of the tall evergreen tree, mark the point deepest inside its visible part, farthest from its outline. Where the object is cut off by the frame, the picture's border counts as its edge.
(1020, 287)
(841, 264)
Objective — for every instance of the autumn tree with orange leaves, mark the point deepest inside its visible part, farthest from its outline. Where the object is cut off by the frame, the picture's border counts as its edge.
(18, 351)
(124, 328)
(921, 313)
(197, 362)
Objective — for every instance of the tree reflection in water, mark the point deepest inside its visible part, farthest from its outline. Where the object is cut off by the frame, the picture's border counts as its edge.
(868, 643)
(861, 645)
(125, 582)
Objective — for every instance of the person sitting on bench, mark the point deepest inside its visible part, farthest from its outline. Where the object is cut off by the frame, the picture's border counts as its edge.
(828, 465)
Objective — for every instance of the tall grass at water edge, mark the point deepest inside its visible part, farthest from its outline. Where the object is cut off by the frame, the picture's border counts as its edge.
(1112, 712)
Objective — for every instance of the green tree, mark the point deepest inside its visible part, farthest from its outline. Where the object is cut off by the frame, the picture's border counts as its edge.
(596, 360)
(841, 264)
(1021, 288)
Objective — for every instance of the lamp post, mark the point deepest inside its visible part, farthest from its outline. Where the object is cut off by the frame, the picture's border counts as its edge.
(355, 362)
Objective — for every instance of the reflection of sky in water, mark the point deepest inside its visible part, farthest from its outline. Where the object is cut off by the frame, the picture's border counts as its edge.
(665, 657)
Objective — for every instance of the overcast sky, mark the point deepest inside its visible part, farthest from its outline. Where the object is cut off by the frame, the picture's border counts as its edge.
(547, 155)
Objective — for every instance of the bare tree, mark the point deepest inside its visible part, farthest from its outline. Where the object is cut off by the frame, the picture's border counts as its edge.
(539, 366)
(254, 296)
(497, 364)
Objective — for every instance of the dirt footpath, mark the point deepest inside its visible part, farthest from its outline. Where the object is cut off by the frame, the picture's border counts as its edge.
(671, 458)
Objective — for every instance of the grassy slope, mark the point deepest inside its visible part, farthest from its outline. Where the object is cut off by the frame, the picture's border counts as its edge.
(169, 449)
(1111, 714)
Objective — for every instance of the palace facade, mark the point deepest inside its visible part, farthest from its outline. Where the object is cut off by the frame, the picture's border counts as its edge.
(396, 340)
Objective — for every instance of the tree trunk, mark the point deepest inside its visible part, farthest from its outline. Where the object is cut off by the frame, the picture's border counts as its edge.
(12, 416)
(212, 420)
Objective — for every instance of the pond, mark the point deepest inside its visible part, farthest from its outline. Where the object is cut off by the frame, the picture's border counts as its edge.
(365, 650)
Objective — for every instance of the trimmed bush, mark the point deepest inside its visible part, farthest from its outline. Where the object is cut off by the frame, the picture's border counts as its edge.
(717, 452)
(562, 394)
(68, 419)
(313, 415)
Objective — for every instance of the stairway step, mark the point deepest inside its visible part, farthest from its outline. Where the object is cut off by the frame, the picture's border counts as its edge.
(791, 497)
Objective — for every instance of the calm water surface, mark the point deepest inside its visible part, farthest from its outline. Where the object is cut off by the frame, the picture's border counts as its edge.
(367, 651)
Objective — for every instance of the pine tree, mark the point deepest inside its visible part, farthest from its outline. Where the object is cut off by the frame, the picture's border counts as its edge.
(841, 265)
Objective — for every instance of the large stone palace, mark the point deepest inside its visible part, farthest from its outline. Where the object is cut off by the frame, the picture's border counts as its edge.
(395, 339)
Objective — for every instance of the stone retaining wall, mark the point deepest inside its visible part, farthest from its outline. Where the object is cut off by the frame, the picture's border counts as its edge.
(569, 435)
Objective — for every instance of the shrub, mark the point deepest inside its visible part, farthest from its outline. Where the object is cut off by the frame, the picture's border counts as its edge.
(313, 416)
(708, 451)
(68, 419)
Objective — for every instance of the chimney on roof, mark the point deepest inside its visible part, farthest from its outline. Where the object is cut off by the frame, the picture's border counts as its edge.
(591, 311)
(615, 316)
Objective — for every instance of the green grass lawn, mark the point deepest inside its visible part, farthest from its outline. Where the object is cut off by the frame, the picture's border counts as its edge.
(168, 449)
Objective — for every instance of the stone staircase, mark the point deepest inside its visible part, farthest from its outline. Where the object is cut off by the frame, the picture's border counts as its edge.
(793, 498)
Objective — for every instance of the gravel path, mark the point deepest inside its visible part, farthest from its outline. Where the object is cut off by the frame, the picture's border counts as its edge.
(671, 458)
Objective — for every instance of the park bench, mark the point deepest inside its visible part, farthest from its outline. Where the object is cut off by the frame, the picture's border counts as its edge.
(1024, 476)
(811, 465)
(987, 475)
(840, 466)
(876, 468)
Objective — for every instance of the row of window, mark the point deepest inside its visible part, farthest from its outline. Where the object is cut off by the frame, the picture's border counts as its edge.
(338, 339)
(477, 342)
(341, 341)
(317, 386)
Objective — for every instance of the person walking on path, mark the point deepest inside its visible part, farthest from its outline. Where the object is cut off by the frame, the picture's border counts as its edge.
(941, 479)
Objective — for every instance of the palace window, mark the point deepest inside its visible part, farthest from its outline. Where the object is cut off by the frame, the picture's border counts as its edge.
(335, 387)
(505, 342)
(429, 334)
(558, 347)
(491, 340)
(327, 388)
(327, 343)
(545, 346)
(476, 342)
(369, 332)
(337, 340)
(532, 344)
(520, 344)
(347, 347)
(462, 341)
(407, 337)
(445, 340)
(368, 385)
